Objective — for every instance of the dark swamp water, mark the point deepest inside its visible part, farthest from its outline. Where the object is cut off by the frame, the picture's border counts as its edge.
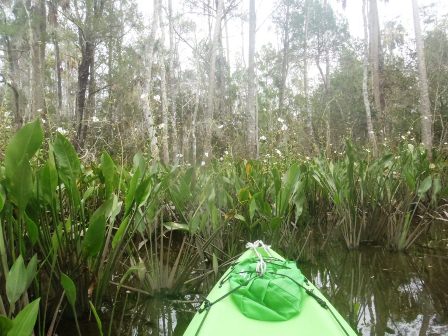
(378, 292)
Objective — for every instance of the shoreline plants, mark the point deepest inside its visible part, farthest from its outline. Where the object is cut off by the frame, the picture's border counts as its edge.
(68, 231)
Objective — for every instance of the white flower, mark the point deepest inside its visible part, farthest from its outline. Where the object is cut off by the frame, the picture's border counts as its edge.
(307, 158)
(445, 143)
(157, 98)
(7, 114)
(263, 138)
(143, 96)
(221, 158)
(39, 110)
(281, 120)
(226, 153)
(206, 154)
(403, 137)
(220, 126)
(43, 121)
(278, 152)
(179, 155)
(160, 126)
(8, 127)
(61, 130)
(202, 163)
(95, 119)
(284, 127)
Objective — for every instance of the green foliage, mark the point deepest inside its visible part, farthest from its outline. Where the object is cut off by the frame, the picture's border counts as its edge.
(69, 288)
(175, 219)
(19, 176)
(16, 281)
(23, 323)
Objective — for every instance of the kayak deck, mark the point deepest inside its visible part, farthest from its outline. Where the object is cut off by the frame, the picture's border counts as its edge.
(224, 317)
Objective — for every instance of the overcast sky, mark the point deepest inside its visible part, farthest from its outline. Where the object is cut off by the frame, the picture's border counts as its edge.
(398, 10)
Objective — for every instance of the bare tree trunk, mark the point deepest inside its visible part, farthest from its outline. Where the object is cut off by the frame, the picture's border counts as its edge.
(193, 127)
(91, 101)
(365, 91)
(87, 53)
(12, 82)
(37, 34)
(285, 62)
(252, 130)
(165, 111)
(53, 19)
(210, 110)
(146, 95)
(172, 86)
(229, 68)
(376, 61)
(425, 105)
(83, 81)
(309, 117)
(327, 92)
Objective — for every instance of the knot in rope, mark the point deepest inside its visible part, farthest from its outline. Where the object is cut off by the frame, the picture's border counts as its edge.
(261, 264)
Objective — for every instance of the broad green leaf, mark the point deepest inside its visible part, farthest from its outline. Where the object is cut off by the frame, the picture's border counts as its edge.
(21, 148)
(120, 232)
(94, 238)
(47, 181)
(87, 194)
(108, 170)
(67, 161)
(31, 271)
(2, 197)
(252, 208)
(97, 318)
(424, 186)
(69, 288)
(33, 230)
(170, 226)
(16, 281)
(130, 194)
(24, 322)
(143, 191)
(23, 145)
(114, 209)
(56, 238)
(20, 185)
(5, 325)
(240, 217)
(139, 162)
(244, 195)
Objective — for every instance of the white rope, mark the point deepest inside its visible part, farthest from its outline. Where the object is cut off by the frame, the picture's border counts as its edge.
(261, 264)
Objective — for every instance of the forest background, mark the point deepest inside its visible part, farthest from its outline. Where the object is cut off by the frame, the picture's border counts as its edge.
(185, 89)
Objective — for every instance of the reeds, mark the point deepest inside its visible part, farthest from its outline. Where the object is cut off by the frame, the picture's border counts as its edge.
(171, 225)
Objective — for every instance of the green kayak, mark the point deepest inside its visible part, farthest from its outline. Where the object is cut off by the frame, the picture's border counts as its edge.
(264, 294)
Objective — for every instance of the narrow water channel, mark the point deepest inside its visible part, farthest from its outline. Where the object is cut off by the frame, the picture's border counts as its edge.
(378, 292)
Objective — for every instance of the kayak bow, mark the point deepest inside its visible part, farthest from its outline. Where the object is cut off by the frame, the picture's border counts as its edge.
(264, 294)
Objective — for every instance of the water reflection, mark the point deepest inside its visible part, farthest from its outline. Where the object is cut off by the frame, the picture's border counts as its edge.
(378, 292)
(158, 317)
(383, 293)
